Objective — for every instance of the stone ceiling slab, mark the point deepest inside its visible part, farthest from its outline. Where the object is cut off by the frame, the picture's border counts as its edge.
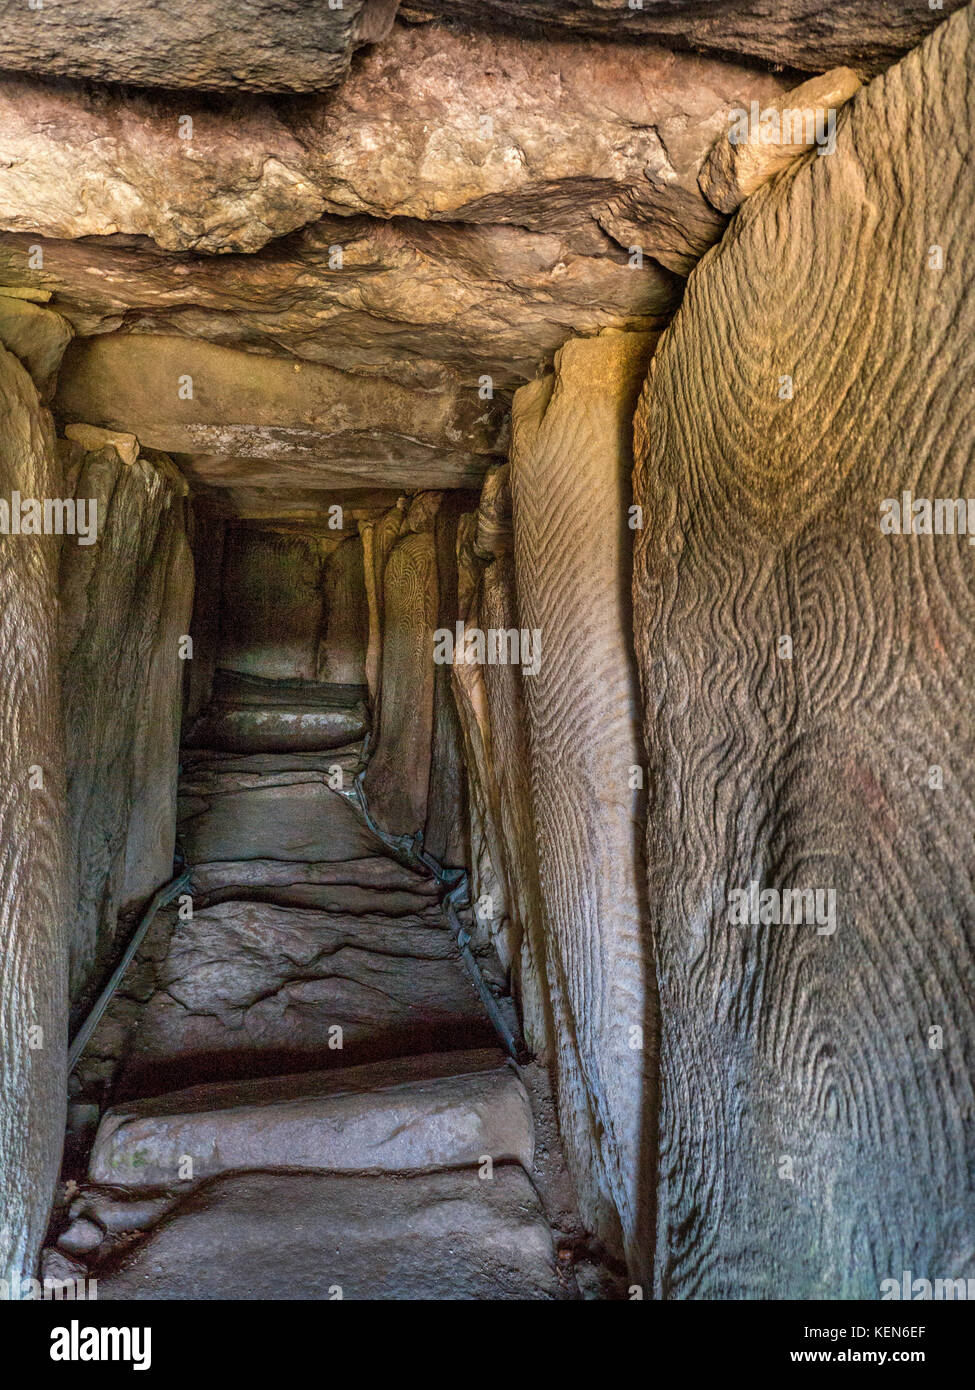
(78, 161)
(264, 46)
(303, 424)
(421, 303)
(374, 464)
(297, 508)
(433, 124)
(806, 34)
(440, 124)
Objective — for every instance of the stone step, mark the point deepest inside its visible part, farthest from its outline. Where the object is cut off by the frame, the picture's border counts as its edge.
(249, 714)
(239, 689)
(376, 873)
(373, 885)
(208, 781)
(444, 1235)
(413, 1114)
(195, 761)
(277, 728)
(257, 990)
(344, 898)
(295, 820)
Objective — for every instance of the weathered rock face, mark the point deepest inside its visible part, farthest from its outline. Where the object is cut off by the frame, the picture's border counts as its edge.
(37, 337)
(507, 236)
(295, 48)
(424, 304)
(378, 537)
(797, 32)
(124, 605)
(490, 706)
(33, 899)
(341, 656)
(494, 918)
(557, 216)
(540, 993)
(236, 184)
(208, 534)
(426, 128)
(264, 47)
(271, 604)
(572, 562)
(801, 122)
(804, 674)
(444, 833)
(152, 816)
(546, 135)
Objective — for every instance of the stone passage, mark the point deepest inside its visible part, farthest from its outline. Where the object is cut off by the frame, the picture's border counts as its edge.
(485, 495)
(309, 1096)
(298, 1090)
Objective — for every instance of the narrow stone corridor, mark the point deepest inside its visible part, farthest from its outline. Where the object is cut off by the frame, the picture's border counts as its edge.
(487, 643)
(309, 1100)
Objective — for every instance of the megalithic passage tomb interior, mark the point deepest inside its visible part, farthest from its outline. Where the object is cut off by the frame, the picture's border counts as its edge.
(487, 650)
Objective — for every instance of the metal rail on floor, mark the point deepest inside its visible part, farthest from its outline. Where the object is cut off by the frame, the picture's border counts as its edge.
(164, 895)
(410, 848)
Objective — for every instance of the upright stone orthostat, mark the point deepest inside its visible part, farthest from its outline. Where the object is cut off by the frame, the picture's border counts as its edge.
(444, 835)
(398, 776)
(343, 646)
(124, 604)
(570, 477)
(378, 539)
(808, 683)
(33, 921)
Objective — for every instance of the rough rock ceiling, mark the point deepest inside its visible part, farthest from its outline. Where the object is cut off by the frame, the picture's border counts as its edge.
(261, 46)
(425, 304)
(294, 46)
(551, 136)
(802, 33)
(463, 199)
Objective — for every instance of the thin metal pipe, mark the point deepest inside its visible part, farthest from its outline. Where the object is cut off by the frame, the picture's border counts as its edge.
(514, 1047)
(410, 848)
(160, 899)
